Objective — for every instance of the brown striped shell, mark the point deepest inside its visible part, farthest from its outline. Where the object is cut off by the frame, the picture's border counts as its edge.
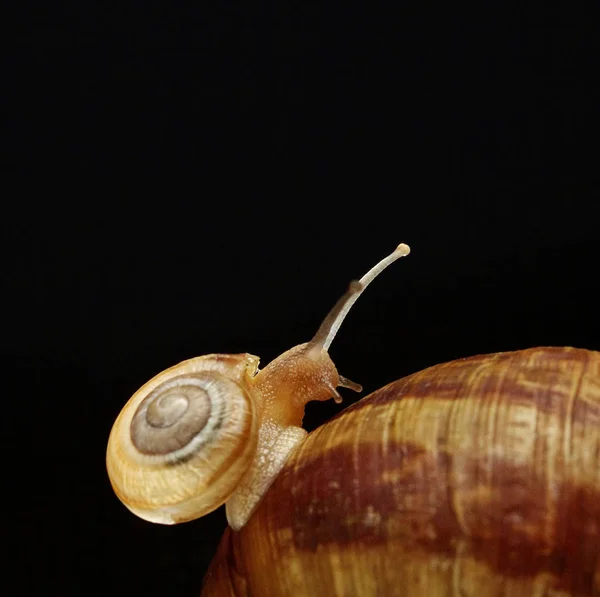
(474, 478)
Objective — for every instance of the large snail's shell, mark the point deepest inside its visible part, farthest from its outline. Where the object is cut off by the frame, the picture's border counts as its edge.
(478, 478)
(183, 441)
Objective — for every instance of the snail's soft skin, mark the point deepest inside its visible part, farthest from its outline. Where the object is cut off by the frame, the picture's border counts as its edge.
(478, 478)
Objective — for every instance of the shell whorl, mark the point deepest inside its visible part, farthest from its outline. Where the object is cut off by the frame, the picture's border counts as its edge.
(479, 477)
(178, 416)
(183, 441)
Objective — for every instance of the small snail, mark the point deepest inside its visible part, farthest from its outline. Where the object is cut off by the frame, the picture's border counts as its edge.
(214, 429)
(474, 478)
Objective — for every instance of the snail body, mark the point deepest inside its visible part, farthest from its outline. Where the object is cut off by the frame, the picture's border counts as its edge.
(479, 477)
(217, 430)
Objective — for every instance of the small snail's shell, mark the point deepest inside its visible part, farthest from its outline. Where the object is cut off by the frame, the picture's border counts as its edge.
(183, 441)
(478, 478)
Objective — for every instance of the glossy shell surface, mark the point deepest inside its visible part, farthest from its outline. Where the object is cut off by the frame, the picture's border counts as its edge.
(479, 478)
(171, 460)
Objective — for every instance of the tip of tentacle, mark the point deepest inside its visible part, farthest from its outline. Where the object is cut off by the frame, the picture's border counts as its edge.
(403, 249)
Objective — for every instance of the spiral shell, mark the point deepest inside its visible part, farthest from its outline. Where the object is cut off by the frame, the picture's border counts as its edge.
(479, 478)
(184, 440)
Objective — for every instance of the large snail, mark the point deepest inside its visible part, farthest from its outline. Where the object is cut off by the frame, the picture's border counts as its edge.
(475, 478)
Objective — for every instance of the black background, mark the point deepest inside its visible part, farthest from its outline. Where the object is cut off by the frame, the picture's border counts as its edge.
(194, 178)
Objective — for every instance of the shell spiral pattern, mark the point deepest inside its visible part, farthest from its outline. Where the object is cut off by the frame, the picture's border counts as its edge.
(184, 440)
(178, 417)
